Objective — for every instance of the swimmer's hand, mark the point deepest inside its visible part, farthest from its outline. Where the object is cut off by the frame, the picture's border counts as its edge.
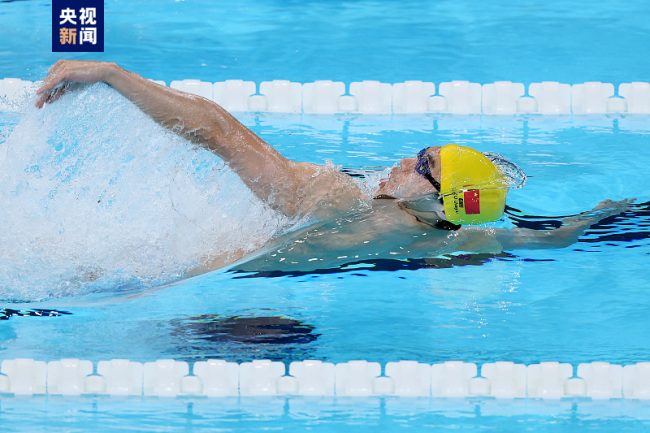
(603, 210)
(572, 228)
(67, 75)
(620, 206)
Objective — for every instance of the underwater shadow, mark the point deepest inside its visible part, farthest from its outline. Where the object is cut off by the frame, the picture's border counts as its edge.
(6, 313)
(243, 338)
(390, 265)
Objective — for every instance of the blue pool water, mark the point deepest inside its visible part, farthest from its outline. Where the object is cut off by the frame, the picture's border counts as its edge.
(531, 41)
(163, 203)
(477, 306)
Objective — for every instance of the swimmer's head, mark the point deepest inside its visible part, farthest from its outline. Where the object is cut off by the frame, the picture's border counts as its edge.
(471, 187)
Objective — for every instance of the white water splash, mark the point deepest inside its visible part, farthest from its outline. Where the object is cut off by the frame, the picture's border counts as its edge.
(95, 195)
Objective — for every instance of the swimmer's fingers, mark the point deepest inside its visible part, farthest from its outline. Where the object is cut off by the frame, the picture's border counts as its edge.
(51, 95)
(78, 71)
(52, 86)
(604, 209)
(66, 72)
(619, 205)
(57, 92)
(609, 208)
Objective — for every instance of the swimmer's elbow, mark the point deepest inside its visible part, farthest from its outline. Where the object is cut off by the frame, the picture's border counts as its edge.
(203, 124)
(220, 131)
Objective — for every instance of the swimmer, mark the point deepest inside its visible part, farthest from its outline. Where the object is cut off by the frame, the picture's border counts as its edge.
(439, 190)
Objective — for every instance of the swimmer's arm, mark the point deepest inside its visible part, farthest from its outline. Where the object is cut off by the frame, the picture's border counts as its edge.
(272, 177)
(522, 238)
(572, 228)
(189, 115)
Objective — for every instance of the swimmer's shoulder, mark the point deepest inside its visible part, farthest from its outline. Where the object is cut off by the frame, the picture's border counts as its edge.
(323, 189)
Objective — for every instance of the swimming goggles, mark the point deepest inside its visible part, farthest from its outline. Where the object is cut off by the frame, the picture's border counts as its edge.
(423, 169)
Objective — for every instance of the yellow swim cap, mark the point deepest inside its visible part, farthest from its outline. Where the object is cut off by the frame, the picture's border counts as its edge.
(473, 189)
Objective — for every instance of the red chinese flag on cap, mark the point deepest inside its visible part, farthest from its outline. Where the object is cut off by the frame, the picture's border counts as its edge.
(472, 202)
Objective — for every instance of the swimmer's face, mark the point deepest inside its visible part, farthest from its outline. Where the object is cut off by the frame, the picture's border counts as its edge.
(405, 181)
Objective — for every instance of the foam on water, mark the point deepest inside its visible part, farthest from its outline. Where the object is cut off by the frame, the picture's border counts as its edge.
(94, 194)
